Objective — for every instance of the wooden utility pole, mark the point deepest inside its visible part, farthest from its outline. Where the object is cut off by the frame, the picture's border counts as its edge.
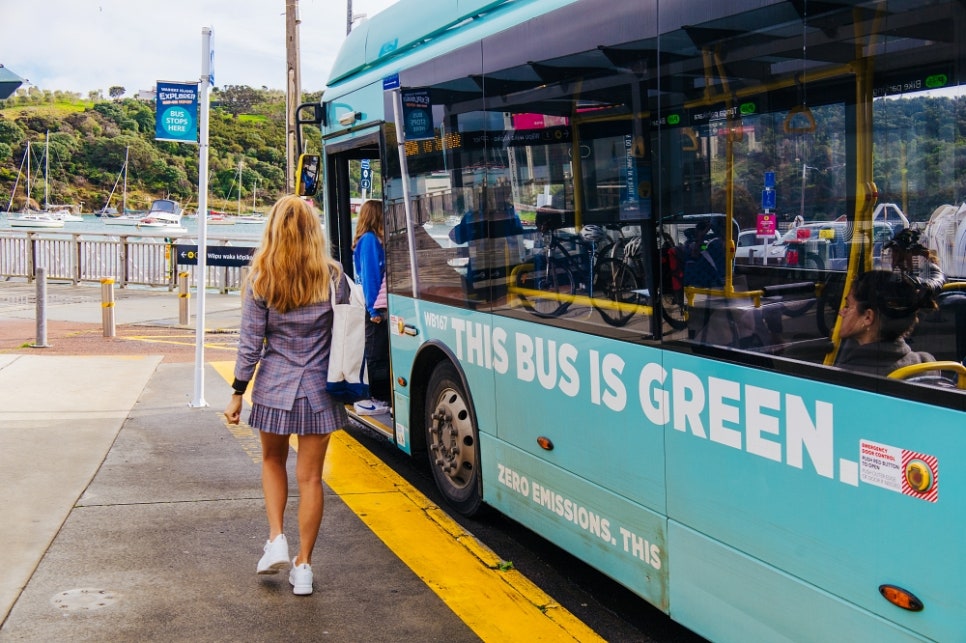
(293, 94)
(348, 16)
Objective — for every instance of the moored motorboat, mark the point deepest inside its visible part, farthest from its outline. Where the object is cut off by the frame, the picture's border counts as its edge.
(35, 220)
(164, 213)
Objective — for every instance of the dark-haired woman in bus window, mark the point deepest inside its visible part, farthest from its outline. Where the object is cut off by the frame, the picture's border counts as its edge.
(880, 312)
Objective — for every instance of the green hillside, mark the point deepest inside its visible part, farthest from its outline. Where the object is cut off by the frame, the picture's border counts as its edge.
(88, 140)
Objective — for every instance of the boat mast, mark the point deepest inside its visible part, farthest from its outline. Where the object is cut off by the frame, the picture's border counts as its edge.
(46, 171)
(127, 150)
(239, 186)
(26, 203)
(16, 182)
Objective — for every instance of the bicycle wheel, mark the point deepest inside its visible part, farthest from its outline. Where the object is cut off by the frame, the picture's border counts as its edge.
(554, 279)
(615, 282)
(674, 308)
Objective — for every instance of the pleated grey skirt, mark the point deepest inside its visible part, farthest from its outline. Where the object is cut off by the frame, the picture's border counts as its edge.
(301, 420)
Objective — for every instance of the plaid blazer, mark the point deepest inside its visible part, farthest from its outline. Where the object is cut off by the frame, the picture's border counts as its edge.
(290, 349)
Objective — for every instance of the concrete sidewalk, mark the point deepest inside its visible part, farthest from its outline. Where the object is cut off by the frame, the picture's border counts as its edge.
(130, 516)
(129, 513)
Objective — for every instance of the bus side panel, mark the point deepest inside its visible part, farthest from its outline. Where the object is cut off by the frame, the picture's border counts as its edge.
(812, 479)
(727, 596)
(580, 391)
(533, 382)
(623, 540)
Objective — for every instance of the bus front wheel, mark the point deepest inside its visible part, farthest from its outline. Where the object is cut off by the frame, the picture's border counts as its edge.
(452, 441)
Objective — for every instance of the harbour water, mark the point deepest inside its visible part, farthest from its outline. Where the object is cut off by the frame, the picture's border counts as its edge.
(95, 225)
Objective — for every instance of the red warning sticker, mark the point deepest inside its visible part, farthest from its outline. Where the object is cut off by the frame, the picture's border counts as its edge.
(900, 470)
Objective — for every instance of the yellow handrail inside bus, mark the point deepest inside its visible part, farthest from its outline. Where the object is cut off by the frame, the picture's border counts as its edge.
(582, 300)
(799, 110)
(926, 367)
(727, 292)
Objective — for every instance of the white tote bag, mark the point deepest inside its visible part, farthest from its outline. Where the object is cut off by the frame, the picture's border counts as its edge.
(348, 378)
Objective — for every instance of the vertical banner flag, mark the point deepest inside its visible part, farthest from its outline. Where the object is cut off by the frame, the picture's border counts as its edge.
(177, 112)
(417, 111)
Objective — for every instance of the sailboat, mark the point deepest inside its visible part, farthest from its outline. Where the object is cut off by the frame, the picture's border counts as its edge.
(57, 211)
(30, 218)
(254, 217)
(107, 210)
(220, 218)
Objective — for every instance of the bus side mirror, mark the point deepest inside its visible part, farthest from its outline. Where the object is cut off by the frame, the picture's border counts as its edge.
(307, 175)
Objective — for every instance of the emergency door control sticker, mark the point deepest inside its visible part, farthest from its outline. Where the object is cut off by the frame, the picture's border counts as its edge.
(907, 472)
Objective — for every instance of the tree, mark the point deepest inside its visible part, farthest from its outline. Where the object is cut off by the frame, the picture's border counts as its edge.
(116, 91)
(10, 132)
(239, 99)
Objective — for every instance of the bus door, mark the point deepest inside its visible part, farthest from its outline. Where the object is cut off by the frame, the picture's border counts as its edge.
(352, 174)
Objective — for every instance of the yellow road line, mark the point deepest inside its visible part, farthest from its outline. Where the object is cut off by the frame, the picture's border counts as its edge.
(498, 604)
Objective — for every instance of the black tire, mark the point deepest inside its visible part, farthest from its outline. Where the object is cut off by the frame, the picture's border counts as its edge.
(614, 281)
(556, 280)
(674, 309)
(452, 441)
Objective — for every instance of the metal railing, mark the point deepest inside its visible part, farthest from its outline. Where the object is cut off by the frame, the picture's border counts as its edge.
(129, 259)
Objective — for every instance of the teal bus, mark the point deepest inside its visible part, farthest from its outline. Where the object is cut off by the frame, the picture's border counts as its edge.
(574, 342)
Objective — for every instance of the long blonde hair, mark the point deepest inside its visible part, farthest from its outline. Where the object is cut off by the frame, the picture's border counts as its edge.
(292, 267)
(370, 220)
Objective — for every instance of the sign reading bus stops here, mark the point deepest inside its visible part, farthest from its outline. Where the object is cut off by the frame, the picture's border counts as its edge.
(177, 112)
(417, 114)
(229, 256)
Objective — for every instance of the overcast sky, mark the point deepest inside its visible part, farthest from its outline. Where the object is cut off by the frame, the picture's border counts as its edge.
(85, 45)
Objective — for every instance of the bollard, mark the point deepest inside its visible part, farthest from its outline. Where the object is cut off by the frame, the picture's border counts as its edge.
(183, 296)
(41, 308)
(107, 306)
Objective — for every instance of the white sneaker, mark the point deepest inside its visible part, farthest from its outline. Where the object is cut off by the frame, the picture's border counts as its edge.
(275, 556)
(300, 577)
(370, 407)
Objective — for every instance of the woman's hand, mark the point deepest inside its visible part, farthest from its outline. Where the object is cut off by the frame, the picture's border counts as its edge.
(233, 410)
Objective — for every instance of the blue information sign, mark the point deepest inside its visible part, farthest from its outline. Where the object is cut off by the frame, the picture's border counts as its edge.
(177, 112)
(767, 199)
(417, 114)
